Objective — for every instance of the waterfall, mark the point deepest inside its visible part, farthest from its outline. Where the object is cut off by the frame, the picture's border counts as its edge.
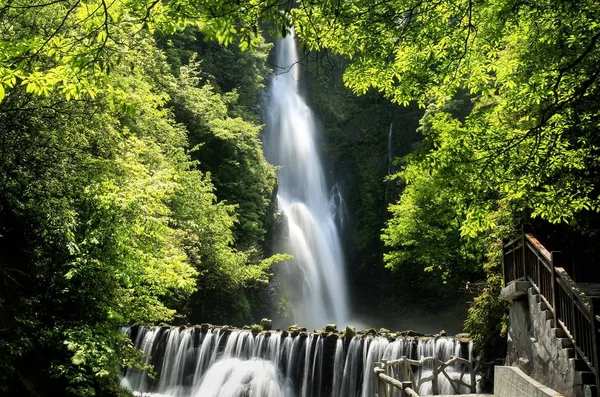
(337, 206)
(193, 362)
(390, 158)
(314, 281)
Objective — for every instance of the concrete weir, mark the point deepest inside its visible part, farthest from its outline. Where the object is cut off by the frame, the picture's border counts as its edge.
(218, 361)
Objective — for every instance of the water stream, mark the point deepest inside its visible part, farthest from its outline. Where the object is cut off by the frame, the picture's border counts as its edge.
(315, 280)
(202, 362)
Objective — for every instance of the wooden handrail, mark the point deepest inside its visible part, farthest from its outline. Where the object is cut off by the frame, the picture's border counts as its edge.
(539, 247)
(526, 258)
(409, 380)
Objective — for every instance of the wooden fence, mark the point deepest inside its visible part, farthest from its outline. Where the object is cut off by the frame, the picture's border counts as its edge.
(406, 375)
(525, 258)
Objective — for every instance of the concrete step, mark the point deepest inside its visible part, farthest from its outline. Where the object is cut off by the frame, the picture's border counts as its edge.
(559, 332)
(584, 378)
(580, 365)
(565, 343)
(590, 391)
(547, 315)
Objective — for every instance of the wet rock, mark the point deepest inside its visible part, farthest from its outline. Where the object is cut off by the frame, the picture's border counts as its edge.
(384, 331)
(205, 326)
(369, 331)
(350, 332)
(331, 328)
(266, 324)
(410, 332)
(443, 333)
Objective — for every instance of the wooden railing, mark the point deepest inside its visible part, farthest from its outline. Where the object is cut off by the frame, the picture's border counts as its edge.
(525, 258)
(406, 375)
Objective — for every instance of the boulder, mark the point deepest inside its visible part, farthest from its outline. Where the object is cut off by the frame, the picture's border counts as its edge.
(266, 324)
(368, 331)
(205, 326)
(410, 332)
(350, 332)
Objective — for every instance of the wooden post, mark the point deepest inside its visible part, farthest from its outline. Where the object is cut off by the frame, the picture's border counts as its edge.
(504, 275)
(381, 388)
(595, 311)
(404, 373)
(523, 255)
(381, 385)
(473, 379)
(388, 371)
(557, 258)
(406, 384)
(435, 388)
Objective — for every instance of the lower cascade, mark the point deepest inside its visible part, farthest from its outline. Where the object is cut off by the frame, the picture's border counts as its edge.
(224, 362)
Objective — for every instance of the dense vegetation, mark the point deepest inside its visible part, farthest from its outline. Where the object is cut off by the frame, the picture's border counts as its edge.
(526, 149)
(133, 187)
(135, 196)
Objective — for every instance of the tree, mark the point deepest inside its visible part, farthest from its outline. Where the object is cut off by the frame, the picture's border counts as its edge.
(71, 46)
(530, 70)
(527, 148)
(105, 221)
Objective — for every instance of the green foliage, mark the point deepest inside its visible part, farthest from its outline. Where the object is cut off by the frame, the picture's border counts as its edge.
(530, 70)
(106, 220)
(70, 47)
(528, 145)
(230, 150)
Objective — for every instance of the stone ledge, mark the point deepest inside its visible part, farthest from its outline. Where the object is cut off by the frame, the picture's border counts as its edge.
(515, 289)
(512, 382)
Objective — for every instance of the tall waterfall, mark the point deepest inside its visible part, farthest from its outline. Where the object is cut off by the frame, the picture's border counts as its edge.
(315, 280)
(195, 362)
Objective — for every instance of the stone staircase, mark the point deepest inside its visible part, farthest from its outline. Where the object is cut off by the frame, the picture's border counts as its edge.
(543, 351)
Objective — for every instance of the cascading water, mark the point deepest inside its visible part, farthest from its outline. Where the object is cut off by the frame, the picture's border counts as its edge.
(390, 158)
(315, 280)
(211, 362)
(195, 362)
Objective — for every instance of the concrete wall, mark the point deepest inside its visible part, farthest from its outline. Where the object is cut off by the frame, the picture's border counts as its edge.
(538, 349)
(512, 382)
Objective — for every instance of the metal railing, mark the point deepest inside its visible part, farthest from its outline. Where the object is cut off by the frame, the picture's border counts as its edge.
(525, 258)
(406, 375)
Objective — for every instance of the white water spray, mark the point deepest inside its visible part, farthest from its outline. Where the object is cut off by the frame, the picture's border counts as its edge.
(238, 363)
(315, 282)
